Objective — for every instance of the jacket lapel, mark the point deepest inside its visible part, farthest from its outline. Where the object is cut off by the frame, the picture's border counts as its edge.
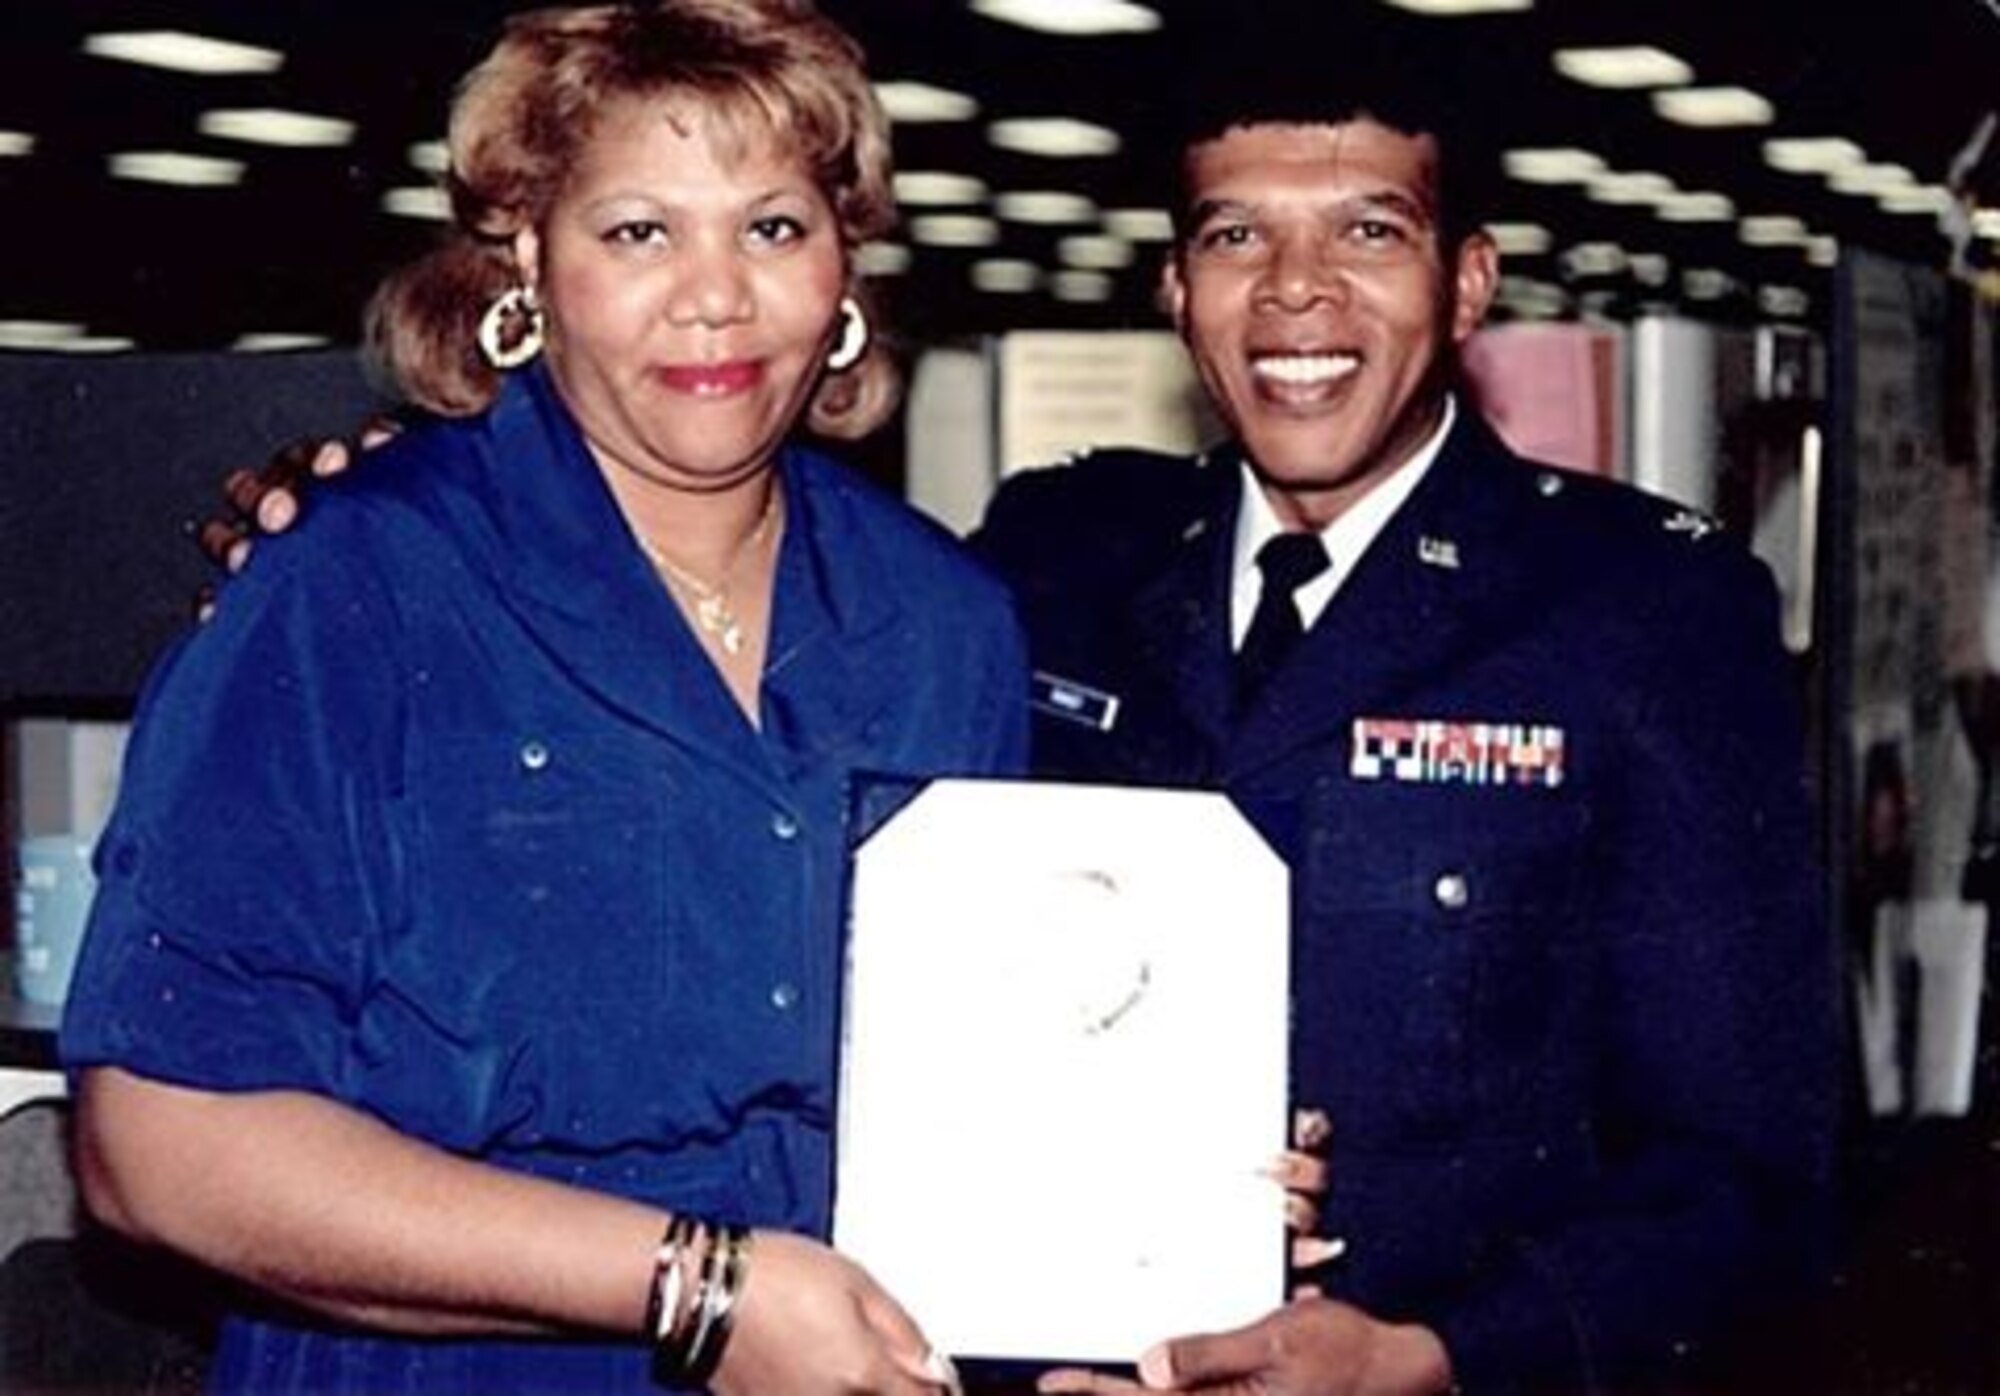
(1181, 618)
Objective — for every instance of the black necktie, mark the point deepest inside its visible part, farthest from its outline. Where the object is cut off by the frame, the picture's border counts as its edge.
(1288, 562)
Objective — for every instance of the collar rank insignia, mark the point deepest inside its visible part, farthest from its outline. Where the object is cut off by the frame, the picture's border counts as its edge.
(1070, 701)
(1438, 552)
(1693, 523)
(1427, 751)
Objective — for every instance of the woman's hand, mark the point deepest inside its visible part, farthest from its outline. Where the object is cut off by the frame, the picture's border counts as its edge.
(1302, 1172)
(810, 1320)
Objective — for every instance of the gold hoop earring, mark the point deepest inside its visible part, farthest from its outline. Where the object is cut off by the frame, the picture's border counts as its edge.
(853, 341)
(510, 332)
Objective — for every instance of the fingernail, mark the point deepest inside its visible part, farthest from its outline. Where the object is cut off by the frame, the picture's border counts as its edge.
(1156, 1367)
(329, 459)
(1314, 1251)
(277, 511)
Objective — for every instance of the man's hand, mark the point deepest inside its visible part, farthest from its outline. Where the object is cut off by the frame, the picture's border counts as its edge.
(1311, 1347)
(269, 500)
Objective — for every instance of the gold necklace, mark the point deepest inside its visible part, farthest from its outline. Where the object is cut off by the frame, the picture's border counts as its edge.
(713, 614)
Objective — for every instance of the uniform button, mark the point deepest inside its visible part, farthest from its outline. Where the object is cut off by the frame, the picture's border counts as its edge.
(1549, 483)
(1451, 891)
(783, 826)
(783, 996)
(534, 756)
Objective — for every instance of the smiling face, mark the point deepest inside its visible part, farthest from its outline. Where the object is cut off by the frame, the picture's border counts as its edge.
(691, 285)
(1318, 302)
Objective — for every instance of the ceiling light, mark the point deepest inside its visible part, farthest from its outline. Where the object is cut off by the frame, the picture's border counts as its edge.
(94, 344)
(1095, 252)
(1773, 230)
(174, 167)
(882, 259)
(1986, 222)
(1696, 206)
(277, 342)
(1532, 299)
(1005, 276)
(432, 157)
(1871, 180)
(914, 103)
(1060, 136)
(16, 143)
(1635, 65)
(1046, 206)
(270, 126)
(183, 53)
(36, 334)
(418, 201)
(1551, 164)
(1823, 251)
(57, 337)
(1594, 259)
(1787, 302)
(1071, 16)
(1812, 154)
(931, 188)
(954, 230)
(1714, 107)
(1651, 269)
(1520, 239)
(1081, 286)
(1918, 198)
(1458, 9)
(1139, 224)
(1707, 283)
(1635, 187)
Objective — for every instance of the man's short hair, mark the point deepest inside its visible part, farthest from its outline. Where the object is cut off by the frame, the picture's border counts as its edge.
(1308, 62)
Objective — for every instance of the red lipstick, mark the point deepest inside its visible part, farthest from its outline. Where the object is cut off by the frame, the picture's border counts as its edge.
(712, 380)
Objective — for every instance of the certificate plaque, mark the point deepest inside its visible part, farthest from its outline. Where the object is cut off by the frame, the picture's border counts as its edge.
(1063, 1067)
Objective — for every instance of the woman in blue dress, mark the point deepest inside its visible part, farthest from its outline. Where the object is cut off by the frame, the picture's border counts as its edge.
(509, 1067)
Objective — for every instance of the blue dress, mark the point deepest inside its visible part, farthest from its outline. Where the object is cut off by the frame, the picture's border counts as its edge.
(447, 816)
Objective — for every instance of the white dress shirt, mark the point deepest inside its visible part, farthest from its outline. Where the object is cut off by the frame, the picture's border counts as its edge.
(1346, 538)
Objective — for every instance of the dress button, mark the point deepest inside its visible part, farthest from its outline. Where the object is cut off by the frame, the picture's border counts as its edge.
(783, 826)
(1451, 891)
(783, 996)
(534, 756)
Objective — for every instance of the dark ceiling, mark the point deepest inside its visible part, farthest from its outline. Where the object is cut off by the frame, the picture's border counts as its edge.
(294, 248)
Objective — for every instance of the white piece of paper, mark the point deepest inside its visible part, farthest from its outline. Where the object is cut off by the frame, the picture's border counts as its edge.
(1064, 1066)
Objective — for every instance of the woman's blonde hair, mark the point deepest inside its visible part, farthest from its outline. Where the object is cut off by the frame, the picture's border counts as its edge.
(758, 69)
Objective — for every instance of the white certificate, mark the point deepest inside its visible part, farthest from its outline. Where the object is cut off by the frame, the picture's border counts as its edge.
(1064, 1066)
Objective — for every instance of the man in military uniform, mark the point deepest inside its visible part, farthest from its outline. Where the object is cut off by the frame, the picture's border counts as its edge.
(1527, 741)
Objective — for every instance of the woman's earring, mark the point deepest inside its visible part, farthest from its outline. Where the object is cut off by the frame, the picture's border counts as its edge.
(853, 337)
(510, 332)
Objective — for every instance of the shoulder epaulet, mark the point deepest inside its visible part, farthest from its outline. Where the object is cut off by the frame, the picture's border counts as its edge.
(1627, 504)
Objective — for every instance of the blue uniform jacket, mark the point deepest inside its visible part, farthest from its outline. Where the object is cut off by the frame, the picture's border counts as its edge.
(446, 815)
(1560, 976)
